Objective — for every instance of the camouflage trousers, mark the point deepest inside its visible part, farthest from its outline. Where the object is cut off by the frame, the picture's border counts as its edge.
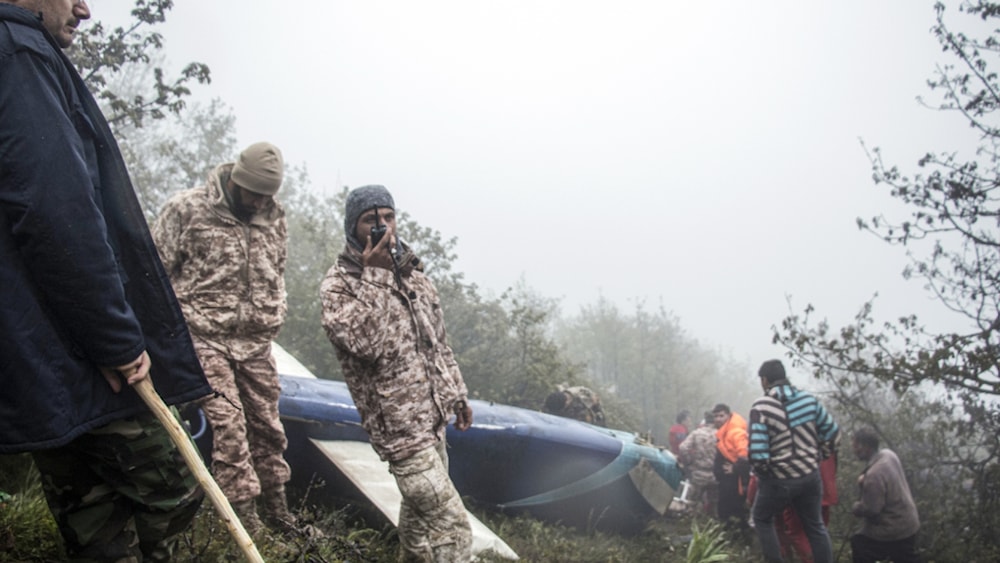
(704, 493)
(433, 523)
(120, 493)
(248, 439)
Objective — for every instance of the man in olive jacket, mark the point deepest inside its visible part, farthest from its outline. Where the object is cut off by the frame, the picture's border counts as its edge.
(86, 306)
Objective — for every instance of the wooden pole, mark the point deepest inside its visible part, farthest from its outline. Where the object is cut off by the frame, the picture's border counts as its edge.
(193, 459)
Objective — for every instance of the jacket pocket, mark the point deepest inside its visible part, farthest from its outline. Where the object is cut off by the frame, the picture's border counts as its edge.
(401, 404)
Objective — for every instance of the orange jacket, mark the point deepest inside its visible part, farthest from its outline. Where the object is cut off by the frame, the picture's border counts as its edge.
(732, 438)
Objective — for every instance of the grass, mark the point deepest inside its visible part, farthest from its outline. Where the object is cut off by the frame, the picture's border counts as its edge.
(353, 533)
(708, 544)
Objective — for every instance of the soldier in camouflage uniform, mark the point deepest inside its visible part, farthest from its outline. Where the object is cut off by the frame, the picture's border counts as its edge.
(383, 317)
(579, 403)
(86, 310)
(224, 247)
(697, 454)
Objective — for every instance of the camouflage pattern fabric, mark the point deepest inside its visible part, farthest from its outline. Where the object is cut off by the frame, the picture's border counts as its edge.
(228, 275)
(433, 523)
(119, 493)
(229, 278)
(248, 439)
(392, 347)
(697, 453)
(584, 404)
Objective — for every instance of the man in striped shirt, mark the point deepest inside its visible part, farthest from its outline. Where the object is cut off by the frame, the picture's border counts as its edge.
(790, 432)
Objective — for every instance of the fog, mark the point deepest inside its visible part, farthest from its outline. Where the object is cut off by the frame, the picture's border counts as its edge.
(705, 156)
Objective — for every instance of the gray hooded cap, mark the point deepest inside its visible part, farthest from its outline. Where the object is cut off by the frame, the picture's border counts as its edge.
(360, 200)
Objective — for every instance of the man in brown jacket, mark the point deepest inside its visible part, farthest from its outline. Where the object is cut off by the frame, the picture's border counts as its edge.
(224, 247)
(889, 515)
(383, 317)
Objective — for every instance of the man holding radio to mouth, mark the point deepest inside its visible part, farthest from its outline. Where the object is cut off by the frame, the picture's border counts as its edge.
(383, 317)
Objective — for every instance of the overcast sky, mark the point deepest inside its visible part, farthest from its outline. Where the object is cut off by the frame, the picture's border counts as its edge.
(702, 154)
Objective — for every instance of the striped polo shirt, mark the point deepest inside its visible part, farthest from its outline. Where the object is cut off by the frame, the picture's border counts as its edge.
(788, 431)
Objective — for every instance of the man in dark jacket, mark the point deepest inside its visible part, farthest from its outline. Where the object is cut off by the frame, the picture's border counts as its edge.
(86, 306)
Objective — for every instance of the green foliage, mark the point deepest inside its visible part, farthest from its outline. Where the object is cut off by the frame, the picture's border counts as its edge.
(175, 154)
(524, 363)
(938, 453)
(953, 221)
(708, 544)
(208, 540)
(664, 540)
(27, 530)
(123, 67)
(906, 378)
(344, 535)
(100, 53)
(315, 238)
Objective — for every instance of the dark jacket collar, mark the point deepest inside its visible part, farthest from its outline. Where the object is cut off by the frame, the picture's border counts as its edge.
(23, 16)
(10, 12)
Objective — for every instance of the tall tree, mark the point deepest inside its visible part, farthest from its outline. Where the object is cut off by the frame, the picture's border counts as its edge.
(955, 208)
(951, 237)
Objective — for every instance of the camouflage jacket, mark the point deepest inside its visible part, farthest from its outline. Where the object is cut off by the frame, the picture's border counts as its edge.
(228, 275)
(584, 404)
(697, 453)
(392, 348)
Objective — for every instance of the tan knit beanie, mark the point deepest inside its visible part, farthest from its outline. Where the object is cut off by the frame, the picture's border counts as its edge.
(259, 169)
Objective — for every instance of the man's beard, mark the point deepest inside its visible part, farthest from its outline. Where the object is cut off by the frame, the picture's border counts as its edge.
(242, 211)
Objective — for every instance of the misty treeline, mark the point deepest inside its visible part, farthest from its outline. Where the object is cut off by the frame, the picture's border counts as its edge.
(932, 396)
